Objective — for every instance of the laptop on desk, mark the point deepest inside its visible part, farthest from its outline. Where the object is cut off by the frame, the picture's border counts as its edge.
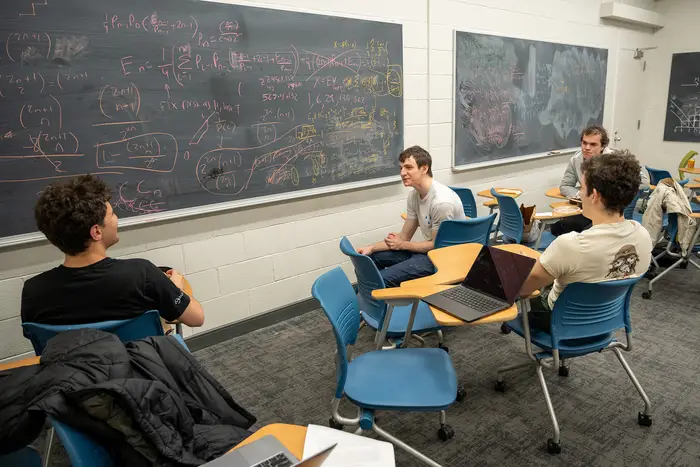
(267, 451)
(491, 285)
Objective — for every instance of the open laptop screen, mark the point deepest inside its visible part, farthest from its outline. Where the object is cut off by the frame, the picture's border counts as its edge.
(513, 270)
(484, 277)
(499, 273)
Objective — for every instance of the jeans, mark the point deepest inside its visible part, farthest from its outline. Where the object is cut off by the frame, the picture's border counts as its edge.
(399, 266)
(571, 224)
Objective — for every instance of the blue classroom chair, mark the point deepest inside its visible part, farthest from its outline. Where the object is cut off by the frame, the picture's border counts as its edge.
(672, 251)
(511, 223)
(656, 175)
(374, 311)
(82, 450)
(25, 457)
(584, 321)
(476, 230)
(468, 201)
(403, 380)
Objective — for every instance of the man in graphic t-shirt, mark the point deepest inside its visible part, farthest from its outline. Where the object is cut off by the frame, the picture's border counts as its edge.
(398, 258)
(89, 287)
(613, 248)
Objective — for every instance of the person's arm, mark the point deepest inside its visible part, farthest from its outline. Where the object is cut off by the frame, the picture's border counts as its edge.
(555, 261)
(193, 316)
(538, 278)
(567, 187)
(407, 231)
(172, 303)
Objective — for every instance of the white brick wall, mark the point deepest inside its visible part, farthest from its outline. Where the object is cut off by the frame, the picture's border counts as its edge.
(246, 262)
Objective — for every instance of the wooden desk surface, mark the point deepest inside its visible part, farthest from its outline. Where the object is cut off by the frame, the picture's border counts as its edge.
(441, 317)
(491, 203)
(454, 262)
(556, 215)
(693, 185)
(291, 436)
(695, 170)
(554, 193)
(487, 193)
(19, 363)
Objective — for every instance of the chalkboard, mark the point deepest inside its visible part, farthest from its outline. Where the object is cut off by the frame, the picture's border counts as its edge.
(516, 97)
(683, 110)
(186, 107)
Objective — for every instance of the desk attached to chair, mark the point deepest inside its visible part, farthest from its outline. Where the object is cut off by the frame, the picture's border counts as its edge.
(453, 264)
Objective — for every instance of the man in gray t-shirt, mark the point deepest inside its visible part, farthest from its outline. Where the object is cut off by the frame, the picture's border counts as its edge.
(398, 258)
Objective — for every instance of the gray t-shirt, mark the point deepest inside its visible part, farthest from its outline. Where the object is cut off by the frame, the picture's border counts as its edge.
(441, 203)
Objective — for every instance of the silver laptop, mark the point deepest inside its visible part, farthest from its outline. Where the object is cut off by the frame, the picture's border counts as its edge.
(491, 285)
(267, 452)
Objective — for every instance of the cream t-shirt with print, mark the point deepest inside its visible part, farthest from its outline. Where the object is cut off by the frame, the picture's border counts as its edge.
(440, 204)
(602, 253)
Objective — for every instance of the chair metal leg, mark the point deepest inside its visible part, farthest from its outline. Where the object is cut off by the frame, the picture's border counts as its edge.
(550, 407)
(49, 447)
(441, 337)
(419, 339)
(515, 366)
(397, 442)
(664, 272)
(640, 390)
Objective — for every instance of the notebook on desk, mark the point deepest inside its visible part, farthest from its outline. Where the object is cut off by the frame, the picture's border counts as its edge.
(492, 284)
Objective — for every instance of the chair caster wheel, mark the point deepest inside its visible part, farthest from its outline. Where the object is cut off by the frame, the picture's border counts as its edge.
(646, 295)
(444, 347)
(500, 386)
(505, 329)
(644, 419)
(564, 371)
(552, 447)
(683, 265)
(650, 275)
(445, 432)
(335, 425)
(461, 394)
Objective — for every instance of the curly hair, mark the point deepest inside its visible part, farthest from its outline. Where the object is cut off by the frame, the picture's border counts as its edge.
(616, 176)
(421, 156)
(65, 212)
(597, 130)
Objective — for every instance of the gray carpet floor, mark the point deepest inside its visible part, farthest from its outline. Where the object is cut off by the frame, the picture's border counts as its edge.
(285, 373)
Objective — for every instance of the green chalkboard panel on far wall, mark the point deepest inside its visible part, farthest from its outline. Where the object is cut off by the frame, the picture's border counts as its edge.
(515, 98)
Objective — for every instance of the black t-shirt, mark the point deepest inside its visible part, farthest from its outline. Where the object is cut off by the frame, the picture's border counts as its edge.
(107, 290)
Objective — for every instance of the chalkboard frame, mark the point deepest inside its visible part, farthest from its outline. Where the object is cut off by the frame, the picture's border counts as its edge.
(505, 161)
(192, 212)
(174, 214)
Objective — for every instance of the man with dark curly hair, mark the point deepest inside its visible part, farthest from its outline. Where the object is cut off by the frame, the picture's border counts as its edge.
(612, 248)
(78, 219)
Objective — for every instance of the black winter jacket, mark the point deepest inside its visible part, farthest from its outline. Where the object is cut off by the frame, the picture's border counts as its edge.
(148, 402)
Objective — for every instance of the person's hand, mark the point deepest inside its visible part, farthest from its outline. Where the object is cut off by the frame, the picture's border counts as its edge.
(365, 250)
(394, 242)
(176, 278)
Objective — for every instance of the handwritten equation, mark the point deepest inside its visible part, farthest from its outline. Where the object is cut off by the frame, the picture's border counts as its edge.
(195, 103)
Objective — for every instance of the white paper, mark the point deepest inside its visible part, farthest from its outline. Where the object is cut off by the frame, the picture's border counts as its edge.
(513, 192)
(351, 451)
(544, 214)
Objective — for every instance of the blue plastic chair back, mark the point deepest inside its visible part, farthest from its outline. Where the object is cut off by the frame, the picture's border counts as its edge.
(585, 310)
(81, 449)
(656, 175)
(148, 324)
(510, 223)
(25, 457)
(468, 201)
(339, 302)
(453, 232)
(629, 209)
(368, 279)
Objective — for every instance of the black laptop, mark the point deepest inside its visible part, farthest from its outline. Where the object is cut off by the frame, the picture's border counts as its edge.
(492, 285)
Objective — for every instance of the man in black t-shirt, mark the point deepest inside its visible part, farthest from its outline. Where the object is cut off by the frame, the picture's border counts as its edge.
(89, 286)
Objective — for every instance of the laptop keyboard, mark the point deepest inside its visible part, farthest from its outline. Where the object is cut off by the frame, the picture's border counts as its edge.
(280, 460)
(472, 299)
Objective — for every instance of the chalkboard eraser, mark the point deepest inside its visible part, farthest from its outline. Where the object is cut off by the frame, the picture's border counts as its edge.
(553, 153)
